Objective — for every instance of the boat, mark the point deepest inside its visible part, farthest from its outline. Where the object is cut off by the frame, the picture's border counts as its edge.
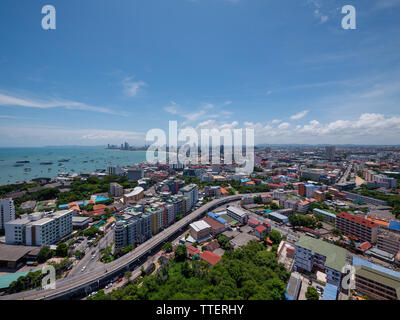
(64, 160)
(46, 163)
(22, 161)
(18, 165)
(27, 169)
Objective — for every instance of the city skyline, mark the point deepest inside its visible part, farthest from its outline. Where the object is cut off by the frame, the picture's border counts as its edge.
(113, 73)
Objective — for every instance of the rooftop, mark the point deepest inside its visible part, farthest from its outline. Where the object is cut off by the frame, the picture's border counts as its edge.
(359, 220)
(335, 256)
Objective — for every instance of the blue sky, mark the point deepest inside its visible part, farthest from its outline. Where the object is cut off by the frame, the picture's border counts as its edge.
(112, 70)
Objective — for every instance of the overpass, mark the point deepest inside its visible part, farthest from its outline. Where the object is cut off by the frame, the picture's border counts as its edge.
(80, 284)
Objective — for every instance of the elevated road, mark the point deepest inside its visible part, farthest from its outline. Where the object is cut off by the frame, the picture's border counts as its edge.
(75, 285)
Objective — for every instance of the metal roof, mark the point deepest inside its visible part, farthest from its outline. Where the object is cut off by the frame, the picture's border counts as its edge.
(335, 256)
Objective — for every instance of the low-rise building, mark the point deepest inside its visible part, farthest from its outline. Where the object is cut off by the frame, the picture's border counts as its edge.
(317, 255)
(237, 214)
(200, 230)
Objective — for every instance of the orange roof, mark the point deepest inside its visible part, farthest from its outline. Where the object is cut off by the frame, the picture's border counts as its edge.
(210, 257)
(378, 221)
(99, 206)
(223, 191)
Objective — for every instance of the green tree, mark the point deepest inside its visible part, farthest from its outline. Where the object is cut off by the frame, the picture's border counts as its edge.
(275, 236)
(44, 254)
(312, 294)
(167, 247)
(180, 253)
(62, 250)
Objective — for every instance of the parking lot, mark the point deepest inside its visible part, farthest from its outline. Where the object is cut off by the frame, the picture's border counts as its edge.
(306, 283)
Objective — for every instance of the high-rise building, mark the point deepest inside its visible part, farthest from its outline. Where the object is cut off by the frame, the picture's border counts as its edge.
(192, 192)
(116, 190)
(134, 174)
(330, 152)
(7, 212)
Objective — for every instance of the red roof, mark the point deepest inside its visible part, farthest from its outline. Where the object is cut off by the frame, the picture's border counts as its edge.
(192, 250)
(214, 224)
(260, 228)
(359, 220)
(364, 246)
(210, 257)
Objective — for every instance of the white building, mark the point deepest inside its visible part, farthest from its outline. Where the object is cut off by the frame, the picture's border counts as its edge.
(38, 229)
(7, 212)
(192, 192)
(237, 214)
(314, 254)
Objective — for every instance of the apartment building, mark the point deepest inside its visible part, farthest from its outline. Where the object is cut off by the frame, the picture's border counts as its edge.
(314, 254)
(116, 190)
(363, 229)
(135, 195)
(135, 227)
(134, 174)
(376, 281)
(7, 212)
(38, 229)
(192, 192)
(388, 240)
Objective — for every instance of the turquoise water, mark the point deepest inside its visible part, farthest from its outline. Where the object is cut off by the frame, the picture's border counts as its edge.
(82, 159)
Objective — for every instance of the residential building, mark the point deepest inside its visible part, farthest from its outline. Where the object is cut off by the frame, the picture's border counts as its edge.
(314, 254)
(38, 229)
(134, 174)
(192, 192)
(376, 281)
(7, 212)
(116, 190)
(135, 195)
(388, 240)
(260, 231)
(210, 257)
(363, 229)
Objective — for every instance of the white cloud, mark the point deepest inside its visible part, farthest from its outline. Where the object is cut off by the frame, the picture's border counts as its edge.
(299, 115)
(131, 88)
(10, 100)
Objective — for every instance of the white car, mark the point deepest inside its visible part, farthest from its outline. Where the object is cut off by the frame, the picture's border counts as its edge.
(83, 268)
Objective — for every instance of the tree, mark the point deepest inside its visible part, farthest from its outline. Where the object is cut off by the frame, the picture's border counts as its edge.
(167, 247)
(275, 236)
(79, 254)
(62, 250)
(45, 254)
(180, 253)
(312, 294)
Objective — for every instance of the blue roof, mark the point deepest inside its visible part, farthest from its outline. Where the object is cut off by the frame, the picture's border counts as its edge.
(394, 225)
(330, 292)
(278, 215)
(245, 180)
(325, 212)
(361, 262)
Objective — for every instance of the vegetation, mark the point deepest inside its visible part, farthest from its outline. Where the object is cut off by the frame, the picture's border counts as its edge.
(312, 294)
(275, 237)
(250, 272)
(300, 220)
(45, 254)
(224, 242)
(167, 247)
(62, 250)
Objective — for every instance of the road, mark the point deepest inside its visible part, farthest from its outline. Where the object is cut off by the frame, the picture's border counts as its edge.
(102, 273)
(87, 261)
(343, 179)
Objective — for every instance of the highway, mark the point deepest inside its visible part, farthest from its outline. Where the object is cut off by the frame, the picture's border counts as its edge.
(70, 285)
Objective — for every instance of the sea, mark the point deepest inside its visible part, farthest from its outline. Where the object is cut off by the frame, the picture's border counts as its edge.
(75, 159)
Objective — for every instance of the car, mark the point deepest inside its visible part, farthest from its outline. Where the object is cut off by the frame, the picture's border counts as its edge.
(83, 268)
(93, 256)
(119, 280)
(310, 283)
(320, 288)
